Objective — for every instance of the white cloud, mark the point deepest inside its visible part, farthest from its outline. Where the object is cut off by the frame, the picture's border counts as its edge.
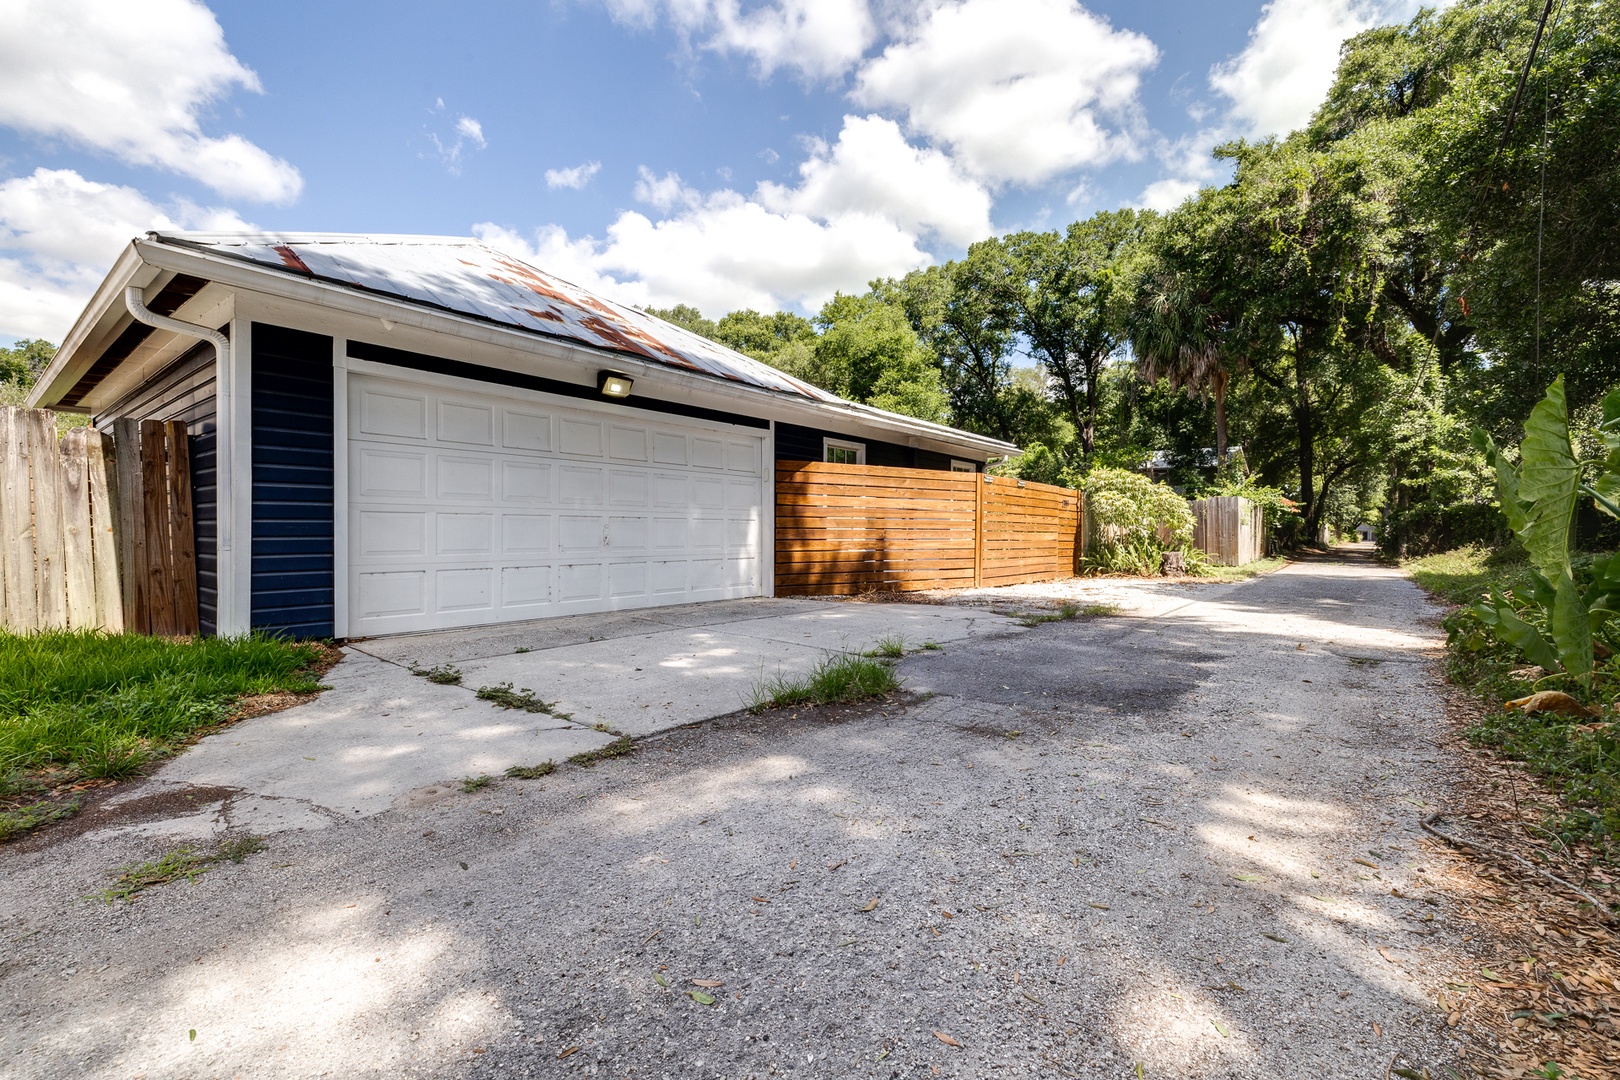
(871, 169)
(818, 38)
(664, 192)
(1285, 70)
(1019, 90)
(1166, 194)
(468, 131)
(575, 178)
(471, 130)
(134, 81)
(59, 234)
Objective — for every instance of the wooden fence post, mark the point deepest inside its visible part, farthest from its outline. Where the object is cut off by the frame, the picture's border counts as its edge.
(101, 479)
(78, 559)
(182, 538)
(131, 524)
(17, 520)
(978, 528)
(154, 510)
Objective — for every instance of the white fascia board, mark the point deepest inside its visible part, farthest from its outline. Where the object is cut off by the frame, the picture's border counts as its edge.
(671, 383)
(94, 329)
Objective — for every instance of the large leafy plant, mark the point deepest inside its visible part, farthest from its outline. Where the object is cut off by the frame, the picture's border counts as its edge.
(1556, 625)
(1133, 522)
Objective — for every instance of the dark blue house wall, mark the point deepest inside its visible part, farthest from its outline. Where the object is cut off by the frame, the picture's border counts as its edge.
(293, 563)
(795, 443)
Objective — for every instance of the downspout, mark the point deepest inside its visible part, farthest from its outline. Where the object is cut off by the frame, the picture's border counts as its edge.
(135, 300)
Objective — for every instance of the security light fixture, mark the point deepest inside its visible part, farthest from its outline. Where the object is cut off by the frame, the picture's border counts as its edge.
(612, 384)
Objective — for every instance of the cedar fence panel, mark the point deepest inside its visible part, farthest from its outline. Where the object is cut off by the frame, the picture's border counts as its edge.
(1230, 529)
(85, 519)
(856, 528)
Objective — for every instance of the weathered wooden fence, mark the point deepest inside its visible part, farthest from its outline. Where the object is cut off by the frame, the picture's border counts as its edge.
(95, 531)
(1230, 529)
(858, 528)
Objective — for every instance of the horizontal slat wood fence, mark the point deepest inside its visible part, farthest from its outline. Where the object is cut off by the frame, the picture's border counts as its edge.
(856, 528)
(95, 530)
(1230, 529)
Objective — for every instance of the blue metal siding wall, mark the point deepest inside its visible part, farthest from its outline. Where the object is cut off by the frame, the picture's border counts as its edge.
(185, 390)
(292, 482)
(795, 443)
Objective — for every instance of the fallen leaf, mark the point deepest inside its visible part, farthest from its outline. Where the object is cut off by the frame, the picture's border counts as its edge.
(1032, 997)
(759, 899)
(1275, 937)
(570, 1052)
(946, 1039)
(1250, 877)
(836, 865)
(947, 914)
(871, 905)
(1554, 701)
(1378, 1029)
(1385, 954)
(1366, 862)
(1220, 1027)
(710, 983)
(660, 980)
(1100, 907)
(701, 998)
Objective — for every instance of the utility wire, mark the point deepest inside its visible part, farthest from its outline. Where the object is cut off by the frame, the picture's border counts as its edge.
(1524, 75)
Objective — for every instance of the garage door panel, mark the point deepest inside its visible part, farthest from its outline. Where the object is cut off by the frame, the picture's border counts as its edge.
(627, 487)
(400, 415)
(581, 437)
(398, 593)
(464, 590)
(576, 533)
(468, 508)
(526, 430)
(525, 587)
(385, 533)
(525, 482)
(579, 486)
(469, 424)
(465, 534)
(385, 473)
(465, 477)
(669, 448)
(579, 581)
(525, 534)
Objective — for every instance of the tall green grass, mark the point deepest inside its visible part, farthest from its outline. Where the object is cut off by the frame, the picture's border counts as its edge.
(103, 705)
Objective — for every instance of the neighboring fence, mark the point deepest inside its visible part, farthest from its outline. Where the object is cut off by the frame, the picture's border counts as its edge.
(95, 531)
(859, 528)
(1230, 529)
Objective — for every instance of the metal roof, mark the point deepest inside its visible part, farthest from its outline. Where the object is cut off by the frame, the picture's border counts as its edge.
(471, 278)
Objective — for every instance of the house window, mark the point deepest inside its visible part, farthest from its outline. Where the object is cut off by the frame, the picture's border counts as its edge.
(843, 452)
(958, 465)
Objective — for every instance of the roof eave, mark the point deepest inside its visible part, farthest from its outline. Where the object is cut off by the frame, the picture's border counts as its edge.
(54, 381)
(247, 274)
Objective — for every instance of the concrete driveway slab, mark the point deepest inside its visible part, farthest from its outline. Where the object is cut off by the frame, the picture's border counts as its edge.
(382, 735)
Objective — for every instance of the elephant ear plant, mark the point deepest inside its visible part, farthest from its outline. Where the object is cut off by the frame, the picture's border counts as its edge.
(1563, 622)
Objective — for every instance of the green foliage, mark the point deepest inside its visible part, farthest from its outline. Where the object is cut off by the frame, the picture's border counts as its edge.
(843, 678)
(101, 704)
(868, 352)
(1133, 522)
(24, 362)
(182, 864)
(1277, 506)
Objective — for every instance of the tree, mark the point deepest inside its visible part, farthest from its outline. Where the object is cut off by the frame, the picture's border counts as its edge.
(687, 317)
(1069, 295)
(25, 361)
(867, 352)
(763, 336)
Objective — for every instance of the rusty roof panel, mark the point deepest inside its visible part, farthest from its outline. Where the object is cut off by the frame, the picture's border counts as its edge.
(470, 278)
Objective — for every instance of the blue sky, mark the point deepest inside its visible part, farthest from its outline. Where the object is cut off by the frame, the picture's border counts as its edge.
(720, 153)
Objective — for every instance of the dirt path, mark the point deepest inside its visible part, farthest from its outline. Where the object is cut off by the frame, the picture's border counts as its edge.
(1186, 842)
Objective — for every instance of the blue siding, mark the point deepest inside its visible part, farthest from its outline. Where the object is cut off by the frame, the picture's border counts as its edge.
(795, 443)
(293, 562)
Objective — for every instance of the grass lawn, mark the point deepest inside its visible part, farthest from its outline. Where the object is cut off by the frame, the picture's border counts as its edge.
(93, 706)
(1463, 575)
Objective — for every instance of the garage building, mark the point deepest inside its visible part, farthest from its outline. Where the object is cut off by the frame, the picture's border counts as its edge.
(395, 433)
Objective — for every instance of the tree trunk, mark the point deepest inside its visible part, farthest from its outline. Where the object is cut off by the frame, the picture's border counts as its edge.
(1305, 426)
(1088, 429)
(1218, 385)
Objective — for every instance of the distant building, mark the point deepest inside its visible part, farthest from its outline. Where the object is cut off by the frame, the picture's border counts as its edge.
(1366, 533)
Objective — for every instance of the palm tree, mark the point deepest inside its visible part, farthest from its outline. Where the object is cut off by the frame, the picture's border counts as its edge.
(1179, 334)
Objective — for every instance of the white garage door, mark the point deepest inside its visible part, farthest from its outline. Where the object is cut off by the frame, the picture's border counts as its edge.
(471, 507)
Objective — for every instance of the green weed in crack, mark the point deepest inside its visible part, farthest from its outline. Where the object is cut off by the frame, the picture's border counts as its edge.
(507, 698)
(443, 674)
(183, 863)
(531, 772)
(618, 748)
(845, 677)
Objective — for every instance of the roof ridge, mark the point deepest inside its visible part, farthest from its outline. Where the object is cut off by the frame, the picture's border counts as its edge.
(261, 236)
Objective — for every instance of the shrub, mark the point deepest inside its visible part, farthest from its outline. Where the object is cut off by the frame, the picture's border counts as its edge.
(1133, 522)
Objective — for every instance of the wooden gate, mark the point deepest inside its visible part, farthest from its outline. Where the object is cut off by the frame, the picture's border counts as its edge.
(95, 531)
(858, 528)
(1230, 529)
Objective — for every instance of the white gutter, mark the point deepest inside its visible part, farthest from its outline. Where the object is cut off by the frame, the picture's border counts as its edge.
(135, 300)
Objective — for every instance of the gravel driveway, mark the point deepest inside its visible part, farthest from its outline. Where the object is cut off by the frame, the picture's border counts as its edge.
(1182, 845)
